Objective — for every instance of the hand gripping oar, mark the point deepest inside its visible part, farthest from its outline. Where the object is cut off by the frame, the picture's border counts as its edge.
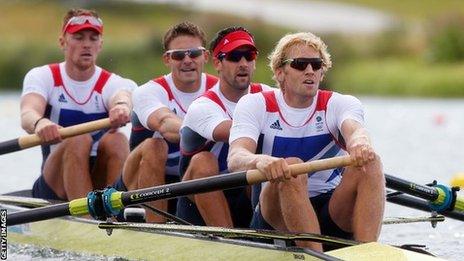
(32, 140)
(109, 202)
(441, 198)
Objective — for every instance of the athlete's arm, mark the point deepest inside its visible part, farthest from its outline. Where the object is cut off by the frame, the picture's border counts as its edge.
(120, 108)
(244, 134)
(222, 131)
(32, 118)
(358, 142)
(242, 157)
(166, 122)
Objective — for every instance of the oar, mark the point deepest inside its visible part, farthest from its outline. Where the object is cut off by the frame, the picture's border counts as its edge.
(111, 201)
(441, 198)
(32, 140)
(421, 204)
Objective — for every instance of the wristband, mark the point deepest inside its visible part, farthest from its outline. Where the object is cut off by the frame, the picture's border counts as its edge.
(37, 122)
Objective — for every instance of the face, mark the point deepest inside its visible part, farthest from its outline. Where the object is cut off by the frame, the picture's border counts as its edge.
(187, 71)
(236, 74)
(81, 49)
(300, 83)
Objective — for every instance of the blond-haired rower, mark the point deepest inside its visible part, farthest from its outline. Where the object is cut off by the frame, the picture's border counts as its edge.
(298, 123)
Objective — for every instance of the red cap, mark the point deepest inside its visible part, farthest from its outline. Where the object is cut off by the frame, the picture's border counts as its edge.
(79, 27)
(232, 41)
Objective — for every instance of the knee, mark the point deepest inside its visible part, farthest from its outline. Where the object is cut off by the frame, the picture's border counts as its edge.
(203, 164)
(297, 185)
(154, 152)
(374, 169)
(155, 149)
(114, 144)
(78, 145)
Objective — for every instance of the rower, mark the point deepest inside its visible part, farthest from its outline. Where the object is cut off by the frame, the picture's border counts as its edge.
(159, 107)
(73, 92)
(205, 132)
(300, 122)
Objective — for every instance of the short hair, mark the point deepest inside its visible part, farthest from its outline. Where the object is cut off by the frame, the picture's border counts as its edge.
(223, 32)
(78, 12)
(184, 28)
(281, 50)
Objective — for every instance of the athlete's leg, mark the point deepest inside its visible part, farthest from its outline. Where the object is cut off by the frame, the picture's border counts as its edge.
(112, 151)
(286, 206)
(357, 204)
(212, 206)
(66, 169)
(145, 167)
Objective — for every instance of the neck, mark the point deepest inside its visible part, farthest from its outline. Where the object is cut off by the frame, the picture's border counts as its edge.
(231, 94)
(79, 74)
(297, 101)
(187, 87)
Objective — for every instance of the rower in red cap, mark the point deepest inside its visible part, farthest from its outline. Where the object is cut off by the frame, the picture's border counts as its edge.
(205, 132)
(72, 92)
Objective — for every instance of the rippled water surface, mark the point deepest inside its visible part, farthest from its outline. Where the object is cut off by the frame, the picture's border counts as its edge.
(418, 140)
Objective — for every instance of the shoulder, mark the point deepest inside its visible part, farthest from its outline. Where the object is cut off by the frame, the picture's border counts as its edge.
(252, 99)
(148, 88)
(122, 82)
(40, 71)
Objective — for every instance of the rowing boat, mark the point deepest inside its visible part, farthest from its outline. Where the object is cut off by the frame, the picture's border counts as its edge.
(50, 225)
(178, 242)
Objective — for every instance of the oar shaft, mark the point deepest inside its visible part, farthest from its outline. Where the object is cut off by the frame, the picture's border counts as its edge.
(425, 192)
(38, 214)
(116, 200)
(420, 204)
(32, 140)
(225, 181)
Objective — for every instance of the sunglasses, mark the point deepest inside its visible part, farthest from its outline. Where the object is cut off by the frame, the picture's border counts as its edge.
(179, 54)
(236, 56)
(78, 20)
(300, 64)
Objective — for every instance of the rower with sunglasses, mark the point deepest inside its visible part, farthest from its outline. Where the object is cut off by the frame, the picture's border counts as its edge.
(299, 123)
(205, 132)
(72, 92)
(159, 107)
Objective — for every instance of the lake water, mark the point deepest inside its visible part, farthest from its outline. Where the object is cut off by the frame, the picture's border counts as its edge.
(419, 140)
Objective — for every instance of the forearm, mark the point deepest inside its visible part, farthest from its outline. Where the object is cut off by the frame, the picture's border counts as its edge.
(360, 135)
(122, 97)
(169, 128)
(242, 159)
(29, 120)
(32, 111)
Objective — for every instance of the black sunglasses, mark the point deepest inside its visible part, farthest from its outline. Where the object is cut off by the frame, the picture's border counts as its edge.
(300, 64)
(179, 54)
(236, 56)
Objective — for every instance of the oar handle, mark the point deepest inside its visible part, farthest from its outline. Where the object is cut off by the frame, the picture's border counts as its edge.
(255, 176)
(32, 140)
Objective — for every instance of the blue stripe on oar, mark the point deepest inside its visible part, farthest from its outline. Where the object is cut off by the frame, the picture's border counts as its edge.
(9, 146)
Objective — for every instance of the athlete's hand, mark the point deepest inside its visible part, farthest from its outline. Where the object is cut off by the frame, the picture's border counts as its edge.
(119, 116)
(360, 149)
(275, 169)
(48, 131)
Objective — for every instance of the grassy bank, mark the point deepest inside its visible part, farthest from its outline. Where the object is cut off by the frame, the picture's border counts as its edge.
(404, 61)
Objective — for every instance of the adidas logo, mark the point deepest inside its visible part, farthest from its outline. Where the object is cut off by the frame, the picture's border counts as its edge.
(276, 125)
(62, 98)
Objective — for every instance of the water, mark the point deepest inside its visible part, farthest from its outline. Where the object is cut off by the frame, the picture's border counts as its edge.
(419, 140)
